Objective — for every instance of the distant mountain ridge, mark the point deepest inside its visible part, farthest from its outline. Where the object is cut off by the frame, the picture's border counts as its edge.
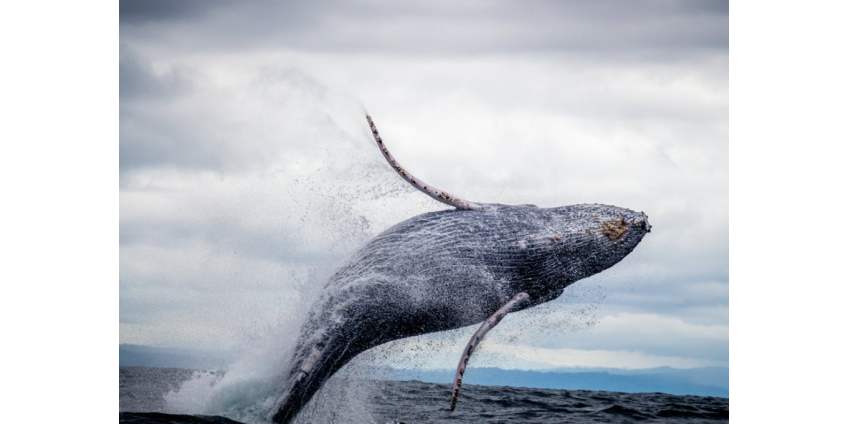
(712, 381)
(130, 355)
(708, 381)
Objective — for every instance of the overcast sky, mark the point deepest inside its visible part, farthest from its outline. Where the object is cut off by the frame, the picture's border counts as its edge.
(247, 170)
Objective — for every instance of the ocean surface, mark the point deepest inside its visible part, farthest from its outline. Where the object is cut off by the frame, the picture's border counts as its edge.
(143, 392)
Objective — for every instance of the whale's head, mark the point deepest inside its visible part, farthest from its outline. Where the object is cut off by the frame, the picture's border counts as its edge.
(559, 246)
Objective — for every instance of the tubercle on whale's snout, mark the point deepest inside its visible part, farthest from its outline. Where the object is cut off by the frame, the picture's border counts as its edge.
(615, 229)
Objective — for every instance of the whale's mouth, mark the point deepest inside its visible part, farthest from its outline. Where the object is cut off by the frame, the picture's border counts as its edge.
(641, 223)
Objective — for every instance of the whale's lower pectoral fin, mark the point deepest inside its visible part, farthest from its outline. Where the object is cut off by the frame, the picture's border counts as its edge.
(490, 323)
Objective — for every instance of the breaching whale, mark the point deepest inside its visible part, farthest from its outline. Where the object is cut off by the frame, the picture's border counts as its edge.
(449, 269)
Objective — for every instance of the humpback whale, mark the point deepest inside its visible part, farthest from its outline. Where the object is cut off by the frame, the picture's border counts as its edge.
(443, 270)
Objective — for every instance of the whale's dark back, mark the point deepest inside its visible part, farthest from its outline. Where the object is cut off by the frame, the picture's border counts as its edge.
(444, 270)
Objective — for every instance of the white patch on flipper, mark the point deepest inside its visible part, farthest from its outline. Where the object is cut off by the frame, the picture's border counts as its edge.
(522, 244)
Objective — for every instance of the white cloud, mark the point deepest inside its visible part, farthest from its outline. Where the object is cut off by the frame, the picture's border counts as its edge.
(649, 334)
(604, 358)
(554, 338)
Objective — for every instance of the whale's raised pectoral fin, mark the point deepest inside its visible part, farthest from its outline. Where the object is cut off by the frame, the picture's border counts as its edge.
(431, 191)
(487, 325)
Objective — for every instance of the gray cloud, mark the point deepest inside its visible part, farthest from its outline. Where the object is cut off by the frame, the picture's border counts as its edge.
(654, 29)
(134, 12)
(139, 81)
(175, 118)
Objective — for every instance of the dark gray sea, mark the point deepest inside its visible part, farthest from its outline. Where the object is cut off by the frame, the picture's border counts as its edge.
(143, 391)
